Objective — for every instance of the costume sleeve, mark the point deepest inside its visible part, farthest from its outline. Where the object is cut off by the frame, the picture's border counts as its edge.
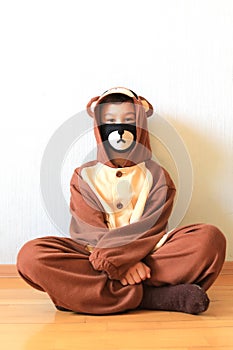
(88, 222)
(116, 250)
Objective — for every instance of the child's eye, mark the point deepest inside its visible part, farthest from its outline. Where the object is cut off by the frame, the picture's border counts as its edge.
(129, 120)
(110, 120)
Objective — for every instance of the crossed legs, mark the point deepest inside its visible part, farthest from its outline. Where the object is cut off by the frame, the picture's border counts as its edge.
(192, 255)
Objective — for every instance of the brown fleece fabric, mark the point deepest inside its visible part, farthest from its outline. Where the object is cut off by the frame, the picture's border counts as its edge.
(59, 266)
(118, 249)
(89, 281)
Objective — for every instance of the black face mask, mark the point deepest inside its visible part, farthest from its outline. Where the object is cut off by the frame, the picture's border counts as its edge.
(120, 137)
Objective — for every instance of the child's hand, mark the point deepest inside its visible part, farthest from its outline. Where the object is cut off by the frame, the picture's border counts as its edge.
(136, 274)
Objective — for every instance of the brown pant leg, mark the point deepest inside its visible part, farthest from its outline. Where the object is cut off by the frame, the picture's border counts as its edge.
(192, 254)
(61, 267)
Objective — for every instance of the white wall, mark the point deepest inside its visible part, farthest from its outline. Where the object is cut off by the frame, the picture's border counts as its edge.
(55, 55)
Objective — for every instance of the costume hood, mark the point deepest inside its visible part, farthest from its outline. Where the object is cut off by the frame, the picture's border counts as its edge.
(141, 151)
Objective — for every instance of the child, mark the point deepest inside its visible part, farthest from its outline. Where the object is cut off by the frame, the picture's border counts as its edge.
(120, 256)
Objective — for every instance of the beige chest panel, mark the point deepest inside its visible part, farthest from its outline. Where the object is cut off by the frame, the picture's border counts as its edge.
(122, 191)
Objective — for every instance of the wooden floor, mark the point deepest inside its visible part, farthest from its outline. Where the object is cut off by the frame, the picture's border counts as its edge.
(29, 321)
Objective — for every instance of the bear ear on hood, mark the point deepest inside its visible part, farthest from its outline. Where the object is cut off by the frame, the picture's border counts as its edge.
(147, 106)
(91, 106)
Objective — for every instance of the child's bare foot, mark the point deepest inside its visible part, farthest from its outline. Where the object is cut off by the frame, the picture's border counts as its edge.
(136, 274)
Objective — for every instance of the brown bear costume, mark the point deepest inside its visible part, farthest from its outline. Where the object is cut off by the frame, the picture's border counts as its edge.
(120, 215)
